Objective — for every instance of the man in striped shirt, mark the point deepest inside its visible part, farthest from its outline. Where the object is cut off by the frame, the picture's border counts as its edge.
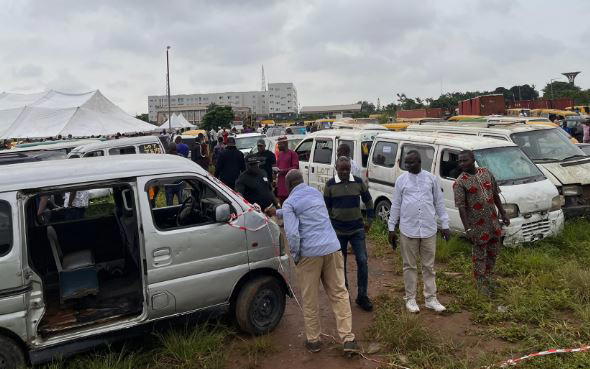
(342, 195)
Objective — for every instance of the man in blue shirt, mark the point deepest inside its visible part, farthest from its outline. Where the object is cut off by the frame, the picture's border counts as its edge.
(316, 251)
(181, 148)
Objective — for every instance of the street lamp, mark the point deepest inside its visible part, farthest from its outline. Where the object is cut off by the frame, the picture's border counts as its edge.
(168, 88)
(551, 85)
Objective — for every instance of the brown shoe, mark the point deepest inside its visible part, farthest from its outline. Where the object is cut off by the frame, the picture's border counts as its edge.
(313, 346)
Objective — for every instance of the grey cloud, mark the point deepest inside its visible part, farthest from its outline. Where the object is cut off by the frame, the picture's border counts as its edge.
(28, 71)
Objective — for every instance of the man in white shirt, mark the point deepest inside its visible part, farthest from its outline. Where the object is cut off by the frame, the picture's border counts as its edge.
(417, 201)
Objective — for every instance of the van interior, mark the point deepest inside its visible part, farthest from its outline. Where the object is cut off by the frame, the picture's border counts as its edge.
(87, 255)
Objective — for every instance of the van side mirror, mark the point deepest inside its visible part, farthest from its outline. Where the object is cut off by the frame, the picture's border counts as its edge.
(222, 213)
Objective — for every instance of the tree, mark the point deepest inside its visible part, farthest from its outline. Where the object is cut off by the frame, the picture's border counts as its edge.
(407, 103)
(557, 89)
(524, 92)
(217, 117)
(144, 117)
(366, 107)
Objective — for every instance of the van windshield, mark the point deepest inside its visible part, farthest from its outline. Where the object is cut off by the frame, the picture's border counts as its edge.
(247, 142)
(521, 169)
(546, 145)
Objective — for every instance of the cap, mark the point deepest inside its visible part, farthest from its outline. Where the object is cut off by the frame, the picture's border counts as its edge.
(260, 142)
(231, 141)
(282, 139)
(253, 159)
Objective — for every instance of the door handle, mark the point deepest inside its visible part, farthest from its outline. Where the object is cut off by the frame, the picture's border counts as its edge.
(161, 252)
(313, 169)
(306, 167)
(162, 257)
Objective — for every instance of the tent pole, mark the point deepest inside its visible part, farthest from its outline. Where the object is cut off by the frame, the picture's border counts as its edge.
(168, 89)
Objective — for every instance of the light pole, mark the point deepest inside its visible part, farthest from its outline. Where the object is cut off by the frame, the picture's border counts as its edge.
(168, 88)
(551, 85)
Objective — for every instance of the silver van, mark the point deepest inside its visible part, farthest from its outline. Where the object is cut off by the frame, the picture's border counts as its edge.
(122, 146)
(168, 240)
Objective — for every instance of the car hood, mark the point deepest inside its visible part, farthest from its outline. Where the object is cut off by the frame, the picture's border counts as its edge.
(567, 172)
(530, 197)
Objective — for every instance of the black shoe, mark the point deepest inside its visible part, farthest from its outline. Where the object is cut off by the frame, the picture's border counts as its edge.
(351, 347)
(365, 303)
(313, 346)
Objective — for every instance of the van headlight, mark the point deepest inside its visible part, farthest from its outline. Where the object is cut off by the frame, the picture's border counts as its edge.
(557, 202)
(571, 190)
(511, 210)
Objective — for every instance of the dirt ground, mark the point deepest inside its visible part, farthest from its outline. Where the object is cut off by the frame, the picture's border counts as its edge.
(289, 336)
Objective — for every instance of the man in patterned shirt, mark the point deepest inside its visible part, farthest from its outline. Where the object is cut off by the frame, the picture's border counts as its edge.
(477, 196)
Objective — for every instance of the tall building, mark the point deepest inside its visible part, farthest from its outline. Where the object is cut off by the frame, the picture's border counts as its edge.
(279, 101)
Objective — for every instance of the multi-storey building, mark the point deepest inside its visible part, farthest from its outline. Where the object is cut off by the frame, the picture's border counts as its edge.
(279, 100)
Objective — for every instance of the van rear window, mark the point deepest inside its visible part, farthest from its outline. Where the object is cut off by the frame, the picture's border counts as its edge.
(150, 149)
(5, 228)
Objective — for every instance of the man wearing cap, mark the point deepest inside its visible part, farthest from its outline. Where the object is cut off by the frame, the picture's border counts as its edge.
(255, 186)
(230, 163)
(286, 160)
(268, 158)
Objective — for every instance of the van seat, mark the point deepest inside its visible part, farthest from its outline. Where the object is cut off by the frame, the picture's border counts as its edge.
(78, 259)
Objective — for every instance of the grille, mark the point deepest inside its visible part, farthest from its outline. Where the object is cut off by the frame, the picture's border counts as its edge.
(534, 228)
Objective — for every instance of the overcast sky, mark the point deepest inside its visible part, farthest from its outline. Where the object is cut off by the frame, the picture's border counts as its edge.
(335, 52)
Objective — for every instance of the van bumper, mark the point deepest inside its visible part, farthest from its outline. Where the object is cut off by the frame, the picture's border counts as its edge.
(576, 211)
(537, 227)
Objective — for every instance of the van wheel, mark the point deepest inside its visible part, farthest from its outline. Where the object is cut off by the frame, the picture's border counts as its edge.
(260, 305)
(11, 355)
(382, 210)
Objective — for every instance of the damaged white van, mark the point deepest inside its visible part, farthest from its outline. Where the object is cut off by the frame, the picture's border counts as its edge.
(530, 199)
(169, 239)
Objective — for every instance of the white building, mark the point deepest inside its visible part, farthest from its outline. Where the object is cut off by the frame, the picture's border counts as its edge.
(279, 100)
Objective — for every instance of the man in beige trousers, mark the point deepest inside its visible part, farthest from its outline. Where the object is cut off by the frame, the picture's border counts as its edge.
(316, 252)
(417, 202)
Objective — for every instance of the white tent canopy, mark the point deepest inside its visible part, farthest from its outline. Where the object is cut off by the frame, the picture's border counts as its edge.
(178, 121)
(53, 113)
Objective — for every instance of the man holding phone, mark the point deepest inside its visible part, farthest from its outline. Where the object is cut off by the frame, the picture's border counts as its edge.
(417, 202)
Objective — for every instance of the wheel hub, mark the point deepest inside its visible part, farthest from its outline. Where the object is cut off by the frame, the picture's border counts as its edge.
(264, 307)
(3, 363)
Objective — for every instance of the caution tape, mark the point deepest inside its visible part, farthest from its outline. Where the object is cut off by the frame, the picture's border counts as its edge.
(233, 219)
(512, 362)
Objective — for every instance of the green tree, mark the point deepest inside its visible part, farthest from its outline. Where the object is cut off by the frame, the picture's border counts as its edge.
(366, 107)
(217, 117)
(407, 103)
(524, 92)
(557, 89)
(144, 117)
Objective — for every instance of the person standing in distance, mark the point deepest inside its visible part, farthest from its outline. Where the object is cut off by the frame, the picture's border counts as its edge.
(477, 196)
(268, 157)
(255, 186)
(182, 149)
(342, 195)
(286, 160)
(417, 201)
(316, 252)
(344, 150)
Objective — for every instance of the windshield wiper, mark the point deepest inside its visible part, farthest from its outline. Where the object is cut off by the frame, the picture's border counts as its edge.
(548, 160)
(574, 156)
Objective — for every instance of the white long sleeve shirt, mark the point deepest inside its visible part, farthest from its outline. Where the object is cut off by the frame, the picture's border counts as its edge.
(417, 201)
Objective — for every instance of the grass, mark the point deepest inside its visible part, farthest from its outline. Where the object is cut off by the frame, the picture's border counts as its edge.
(256, 349)
(543, 302)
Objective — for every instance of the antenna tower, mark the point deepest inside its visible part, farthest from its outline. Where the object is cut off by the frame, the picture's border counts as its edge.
(263, 88)
(571, 76)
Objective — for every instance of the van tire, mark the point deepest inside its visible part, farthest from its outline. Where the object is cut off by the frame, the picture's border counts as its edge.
(382, 209)
(11, 354)
(260, 305)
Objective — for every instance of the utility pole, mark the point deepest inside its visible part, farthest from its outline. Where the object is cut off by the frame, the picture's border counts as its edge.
(168, 88)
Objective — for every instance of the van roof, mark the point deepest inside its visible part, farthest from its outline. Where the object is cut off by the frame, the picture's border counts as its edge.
(53, 145)
(464, 142)
(64, 172)
(362, 134)
(475, 127)
(117, 143)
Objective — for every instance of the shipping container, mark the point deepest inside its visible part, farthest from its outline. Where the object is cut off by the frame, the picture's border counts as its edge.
(483, 105)
(420, 113)
(560, 104)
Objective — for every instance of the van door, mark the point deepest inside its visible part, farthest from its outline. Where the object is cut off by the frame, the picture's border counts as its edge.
(303, 151)
(322, 163)
(447, 168)
(192, 261)
(426, 152)
(381, 177)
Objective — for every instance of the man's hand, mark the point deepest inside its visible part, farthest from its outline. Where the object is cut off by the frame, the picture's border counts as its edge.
(271, 211)
(446, 233)
(393, 239)
(505, 220)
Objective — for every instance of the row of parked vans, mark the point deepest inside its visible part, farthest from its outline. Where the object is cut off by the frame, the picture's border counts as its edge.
(542, 175)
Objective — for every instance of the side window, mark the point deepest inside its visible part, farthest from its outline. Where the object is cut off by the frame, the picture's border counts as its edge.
(304, 150)
(94, 154)
(350, 145)
(426, 154)
(122, 150)
(365, 149)
(449, 164)
(5, 228)
(384, 154)
(179, 203)
(322, 153)
(496, 137)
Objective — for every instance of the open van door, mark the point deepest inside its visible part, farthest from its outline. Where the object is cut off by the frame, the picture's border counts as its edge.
(321, 166)
(447, 169)
(303, 152)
